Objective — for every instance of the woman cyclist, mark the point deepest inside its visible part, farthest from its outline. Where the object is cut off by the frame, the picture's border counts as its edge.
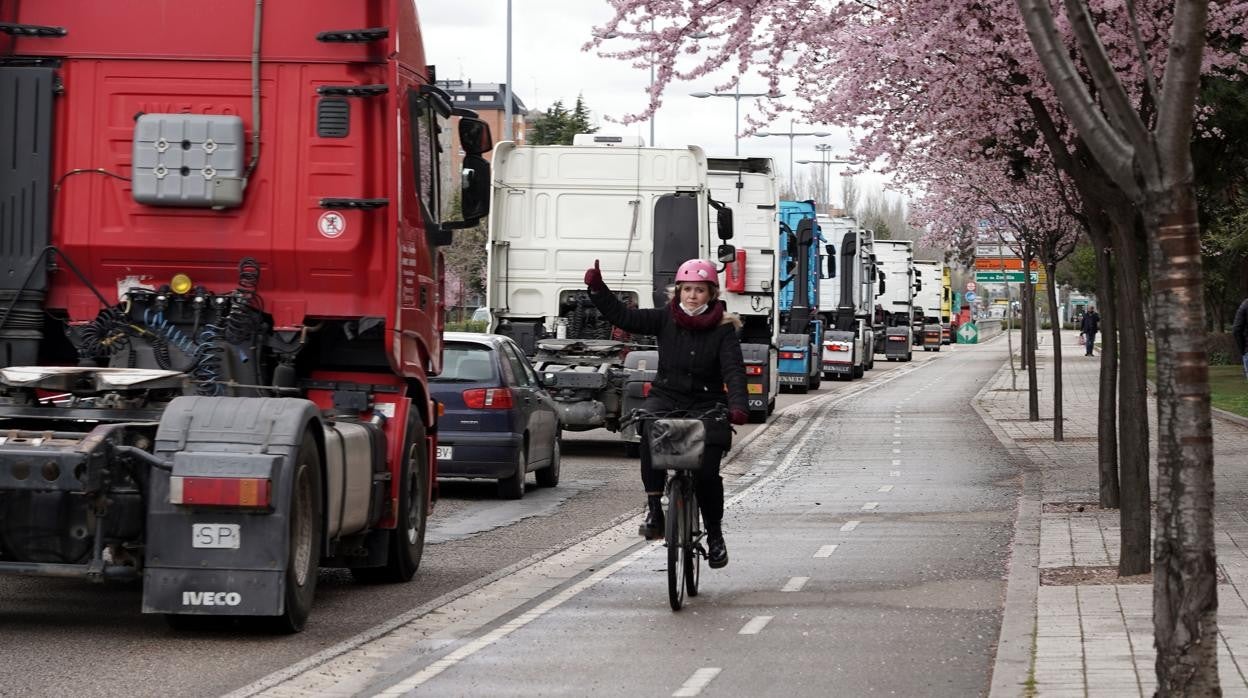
(699, 354)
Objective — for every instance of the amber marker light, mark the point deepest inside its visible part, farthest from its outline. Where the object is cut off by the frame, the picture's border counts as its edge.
(180, 284)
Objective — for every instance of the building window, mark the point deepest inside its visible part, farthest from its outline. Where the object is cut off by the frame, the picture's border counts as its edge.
(487, 98)
(461, 98)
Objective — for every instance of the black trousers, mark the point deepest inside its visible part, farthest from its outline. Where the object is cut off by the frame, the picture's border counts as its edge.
(707, 482)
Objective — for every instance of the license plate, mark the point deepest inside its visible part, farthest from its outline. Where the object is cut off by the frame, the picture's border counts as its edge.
(444, 452)
(216, 536)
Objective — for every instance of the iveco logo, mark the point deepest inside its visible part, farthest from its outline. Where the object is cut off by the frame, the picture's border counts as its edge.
(211, 598)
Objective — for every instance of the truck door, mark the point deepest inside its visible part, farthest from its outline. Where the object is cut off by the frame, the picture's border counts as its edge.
(675, 239)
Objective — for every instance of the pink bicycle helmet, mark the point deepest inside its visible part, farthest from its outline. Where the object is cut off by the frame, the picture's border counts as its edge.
(698, 270)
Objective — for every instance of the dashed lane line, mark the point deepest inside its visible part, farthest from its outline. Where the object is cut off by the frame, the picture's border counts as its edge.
(870, 506)
(700, 679)
(795, 584)
(850, 525)
(886, 488)
(826, 551)
(755, 625)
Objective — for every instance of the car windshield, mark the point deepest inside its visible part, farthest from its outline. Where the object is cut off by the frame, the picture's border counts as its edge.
(466, 362)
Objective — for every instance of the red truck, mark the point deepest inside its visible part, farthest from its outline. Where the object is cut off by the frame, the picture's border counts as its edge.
(220, 284)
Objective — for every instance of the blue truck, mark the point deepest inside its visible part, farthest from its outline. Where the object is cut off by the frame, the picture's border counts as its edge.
(801, 328)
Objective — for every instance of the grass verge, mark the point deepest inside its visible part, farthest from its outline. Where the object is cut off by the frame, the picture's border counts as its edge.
(1227, 388)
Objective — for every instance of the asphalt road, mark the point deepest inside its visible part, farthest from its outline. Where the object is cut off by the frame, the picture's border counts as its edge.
(927, 570)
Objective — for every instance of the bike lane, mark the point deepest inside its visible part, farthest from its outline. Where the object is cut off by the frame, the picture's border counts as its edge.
(868, 542)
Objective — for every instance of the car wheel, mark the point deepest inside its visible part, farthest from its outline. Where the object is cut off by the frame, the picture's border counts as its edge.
(512, 487)
(549, 476)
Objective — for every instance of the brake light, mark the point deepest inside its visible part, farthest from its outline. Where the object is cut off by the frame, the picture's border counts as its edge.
(221, 491)
(792, 354)
(753, 370)
(489, 399)
(836, 346)
(645, 389)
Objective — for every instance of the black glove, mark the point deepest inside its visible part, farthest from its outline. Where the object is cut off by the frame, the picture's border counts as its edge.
(738, 416)
(593, 279)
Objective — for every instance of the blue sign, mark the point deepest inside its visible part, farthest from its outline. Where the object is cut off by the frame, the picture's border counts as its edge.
(970, 296)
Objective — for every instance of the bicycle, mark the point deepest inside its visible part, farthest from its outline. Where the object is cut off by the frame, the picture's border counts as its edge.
(677, 441)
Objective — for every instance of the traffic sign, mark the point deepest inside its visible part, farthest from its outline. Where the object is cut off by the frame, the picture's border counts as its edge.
(968, 334)
(996, 277)
(999, 263)
(970, 285)
(970, 296)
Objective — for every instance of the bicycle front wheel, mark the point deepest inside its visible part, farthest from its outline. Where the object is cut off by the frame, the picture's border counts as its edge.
(677, 535)
(692, 561)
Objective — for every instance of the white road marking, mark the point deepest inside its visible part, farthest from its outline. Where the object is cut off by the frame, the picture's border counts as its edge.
(896, 450)
(870, 506)
(896, 421)
(826, 551)
(850, 525)
(755, 626)
(795, 584)
(895, 443)
(414, 681)
(697, 682)
(896, 461)
(886, 488)
(894, 473)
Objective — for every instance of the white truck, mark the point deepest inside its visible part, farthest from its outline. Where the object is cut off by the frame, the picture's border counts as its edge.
(640, 212)
(747, 186)
(896, 262)
(846, 299)
(927, 303)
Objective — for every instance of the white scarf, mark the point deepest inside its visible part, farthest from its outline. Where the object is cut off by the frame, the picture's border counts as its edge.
(696, 311)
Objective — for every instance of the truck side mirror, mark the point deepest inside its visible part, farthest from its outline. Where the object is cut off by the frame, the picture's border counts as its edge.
(475, 183)
(474, 135)
(831, 250)
(881, 286)
(723, 220)
(727, 254)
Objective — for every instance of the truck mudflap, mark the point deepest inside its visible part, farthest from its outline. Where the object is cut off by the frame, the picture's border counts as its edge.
(897, 343)
(838, 354)
(210, 557)
(794, 367)
(757, 378)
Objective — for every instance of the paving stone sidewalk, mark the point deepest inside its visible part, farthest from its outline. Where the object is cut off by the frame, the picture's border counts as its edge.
(1097, 639)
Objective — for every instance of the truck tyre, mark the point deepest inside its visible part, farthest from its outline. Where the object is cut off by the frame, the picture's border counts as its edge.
(549, 476)
(758, 416)
(816, 380)
(858, 371)
(512, 486)
(304, 545)
(406, 543)
(632, 449)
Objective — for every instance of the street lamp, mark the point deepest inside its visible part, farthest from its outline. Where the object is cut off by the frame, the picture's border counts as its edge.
(825, 159)
(792, 135)
(616, 35)
(736, 95)
(507, 115)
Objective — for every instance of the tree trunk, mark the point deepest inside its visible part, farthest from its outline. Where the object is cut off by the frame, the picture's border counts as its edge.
(1135, 515)
(1106, 424)
(1029, 342)
(1185, 599)
(1056, 327)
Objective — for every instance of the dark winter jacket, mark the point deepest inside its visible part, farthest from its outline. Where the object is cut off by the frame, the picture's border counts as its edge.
(1091, 323)
(1239, 330)
(698, 355)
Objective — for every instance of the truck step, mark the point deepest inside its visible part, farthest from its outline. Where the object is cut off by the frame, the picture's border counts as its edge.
(32, 30)
(353, 36)
(353, 90)
(339, 202)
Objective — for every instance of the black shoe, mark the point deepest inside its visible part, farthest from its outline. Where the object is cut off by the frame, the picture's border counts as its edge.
(652, 527)
(716, 551)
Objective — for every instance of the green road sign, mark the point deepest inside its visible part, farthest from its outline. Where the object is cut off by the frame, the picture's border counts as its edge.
(968, 334)
(997, 277)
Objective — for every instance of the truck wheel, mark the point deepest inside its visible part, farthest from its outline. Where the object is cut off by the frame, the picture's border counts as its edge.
(406, 543)
(549, 476)
(816, 380)
(632, 449)
(512, 487)
(858, 371)
(303, 553)
(758, 416)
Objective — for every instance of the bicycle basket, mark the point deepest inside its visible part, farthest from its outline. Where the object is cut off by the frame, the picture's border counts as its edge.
(677, 444)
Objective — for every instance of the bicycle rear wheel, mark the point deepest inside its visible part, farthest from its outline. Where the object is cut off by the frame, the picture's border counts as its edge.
(693, 561)
(677, 534)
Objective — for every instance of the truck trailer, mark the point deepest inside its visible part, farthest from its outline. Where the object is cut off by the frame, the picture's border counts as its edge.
(218, 330)
(896, 262)
(641, 212)
(801, 328)
(747, 186)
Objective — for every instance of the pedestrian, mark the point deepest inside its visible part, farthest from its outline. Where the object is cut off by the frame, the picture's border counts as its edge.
(700, 367)
(1239, 331)
(1088, 326)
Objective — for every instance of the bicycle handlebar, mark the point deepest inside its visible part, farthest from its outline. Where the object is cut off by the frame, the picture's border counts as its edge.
(717, 413)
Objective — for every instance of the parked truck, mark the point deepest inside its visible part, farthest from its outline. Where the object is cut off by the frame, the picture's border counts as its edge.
(641, 212)
(747, 186)
(801, 328)
(846, 296)
(896, 262)
(217, 331)
(927, 303)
